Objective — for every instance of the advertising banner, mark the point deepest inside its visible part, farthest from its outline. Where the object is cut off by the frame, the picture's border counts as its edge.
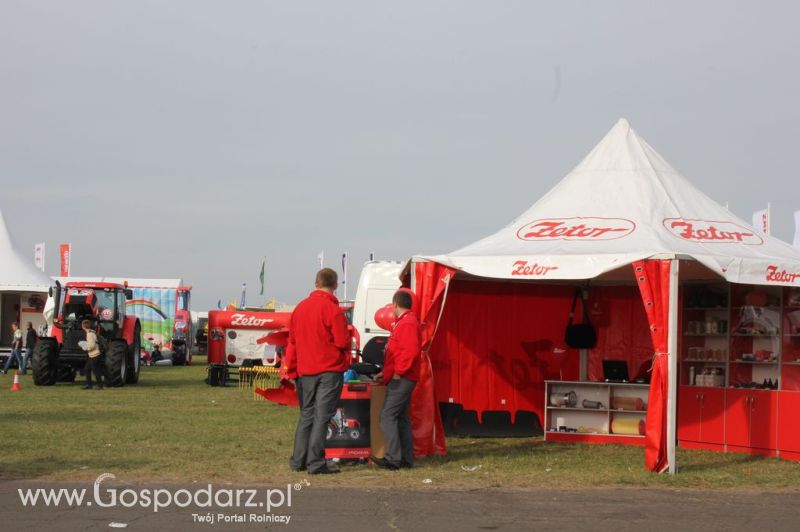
(65, 252)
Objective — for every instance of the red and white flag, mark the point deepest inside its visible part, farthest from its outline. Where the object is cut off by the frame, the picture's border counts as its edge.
(761, 221)
(796, 229)
(65, 252)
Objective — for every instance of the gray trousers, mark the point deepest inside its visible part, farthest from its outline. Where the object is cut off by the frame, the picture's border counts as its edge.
(318, 395)
(396, 424)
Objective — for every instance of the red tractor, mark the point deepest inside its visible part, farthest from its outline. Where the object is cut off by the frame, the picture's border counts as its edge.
(59, 357)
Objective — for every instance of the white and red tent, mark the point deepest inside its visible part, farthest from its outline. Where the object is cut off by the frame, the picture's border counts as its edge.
(622, 205)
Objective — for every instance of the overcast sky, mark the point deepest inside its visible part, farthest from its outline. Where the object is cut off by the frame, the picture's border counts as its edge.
(190, 138)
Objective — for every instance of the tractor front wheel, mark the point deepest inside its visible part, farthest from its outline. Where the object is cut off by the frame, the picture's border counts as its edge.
(117, 363)
(44, 362)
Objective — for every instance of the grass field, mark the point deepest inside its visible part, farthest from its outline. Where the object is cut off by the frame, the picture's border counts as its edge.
(173, 427)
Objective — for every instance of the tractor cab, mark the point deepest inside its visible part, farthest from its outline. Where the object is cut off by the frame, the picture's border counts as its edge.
(101, 303)
(182, 338)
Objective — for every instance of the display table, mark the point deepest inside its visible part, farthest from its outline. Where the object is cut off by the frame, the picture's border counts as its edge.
(354, 431)
(595, 412)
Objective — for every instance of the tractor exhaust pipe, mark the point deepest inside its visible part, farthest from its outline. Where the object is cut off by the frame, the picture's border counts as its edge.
(57, 301)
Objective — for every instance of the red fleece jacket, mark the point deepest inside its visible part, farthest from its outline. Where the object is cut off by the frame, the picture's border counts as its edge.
(318, 337)
(403, 350)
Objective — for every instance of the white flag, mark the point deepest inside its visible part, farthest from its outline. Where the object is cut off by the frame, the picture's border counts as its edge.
(38, 255)
(321, 259)
(797, 229)
(761, 221)
(244, 292)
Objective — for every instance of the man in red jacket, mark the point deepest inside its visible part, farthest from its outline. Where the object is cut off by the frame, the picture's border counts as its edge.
(400, 374)
(316, 358)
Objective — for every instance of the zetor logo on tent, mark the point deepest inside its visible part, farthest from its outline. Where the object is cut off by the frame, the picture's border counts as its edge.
(712, 232)
(577, 228)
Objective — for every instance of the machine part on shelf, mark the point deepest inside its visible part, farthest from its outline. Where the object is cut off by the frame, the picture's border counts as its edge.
(592, 404)
(627, 403)
(569, 399)
(628, 426)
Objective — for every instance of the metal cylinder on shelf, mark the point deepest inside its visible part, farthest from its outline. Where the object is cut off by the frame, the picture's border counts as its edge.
(568, 399)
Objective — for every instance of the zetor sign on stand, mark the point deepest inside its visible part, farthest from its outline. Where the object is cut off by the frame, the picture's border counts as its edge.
(239, 337)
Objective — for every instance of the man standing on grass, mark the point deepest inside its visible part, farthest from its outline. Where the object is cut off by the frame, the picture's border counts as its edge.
(400, 374)
(30, 341)
(316, 357)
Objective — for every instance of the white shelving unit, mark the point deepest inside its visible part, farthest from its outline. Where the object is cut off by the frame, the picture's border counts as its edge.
(586, 421)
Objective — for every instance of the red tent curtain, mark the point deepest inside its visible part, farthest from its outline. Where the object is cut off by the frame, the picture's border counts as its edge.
(432, 280)
(653, 279)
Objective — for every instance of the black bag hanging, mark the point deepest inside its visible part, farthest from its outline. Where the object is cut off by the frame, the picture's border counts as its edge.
(580, 335)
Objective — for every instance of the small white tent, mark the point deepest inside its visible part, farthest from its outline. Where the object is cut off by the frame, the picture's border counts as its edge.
(22, 286)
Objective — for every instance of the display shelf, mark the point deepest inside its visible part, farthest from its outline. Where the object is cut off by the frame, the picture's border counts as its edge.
(578, 409)
(595, 425)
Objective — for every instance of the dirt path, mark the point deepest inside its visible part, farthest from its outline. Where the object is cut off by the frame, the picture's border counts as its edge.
(347, 509)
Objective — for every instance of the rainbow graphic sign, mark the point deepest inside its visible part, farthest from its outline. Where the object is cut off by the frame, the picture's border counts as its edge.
(155, 308)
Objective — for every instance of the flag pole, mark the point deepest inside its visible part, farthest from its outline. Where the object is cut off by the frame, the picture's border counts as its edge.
(672, 364)
(344, 274)
(769, 218)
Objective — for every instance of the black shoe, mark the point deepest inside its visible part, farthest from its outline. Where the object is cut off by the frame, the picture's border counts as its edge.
(87, 387)
(324, 471)
(297, 469)
(384, 463)
(406, 465)
(100, 388)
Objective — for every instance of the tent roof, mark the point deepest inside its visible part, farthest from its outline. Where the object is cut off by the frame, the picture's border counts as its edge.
(621, 204)
(18, 274)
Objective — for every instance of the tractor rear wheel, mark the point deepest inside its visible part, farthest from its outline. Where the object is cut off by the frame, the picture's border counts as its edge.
(117, 362)
(134, 357)
(44, 362)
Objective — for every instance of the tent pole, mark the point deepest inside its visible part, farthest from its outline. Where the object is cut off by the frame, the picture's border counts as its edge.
(584, 365)
(672, 373)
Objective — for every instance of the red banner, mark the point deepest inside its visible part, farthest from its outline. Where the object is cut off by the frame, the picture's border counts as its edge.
(65, 250)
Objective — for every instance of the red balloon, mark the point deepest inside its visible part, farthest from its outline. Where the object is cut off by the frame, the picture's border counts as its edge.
(385, 317)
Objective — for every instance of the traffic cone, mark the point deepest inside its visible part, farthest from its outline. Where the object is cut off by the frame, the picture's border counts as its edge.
(15, 387)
